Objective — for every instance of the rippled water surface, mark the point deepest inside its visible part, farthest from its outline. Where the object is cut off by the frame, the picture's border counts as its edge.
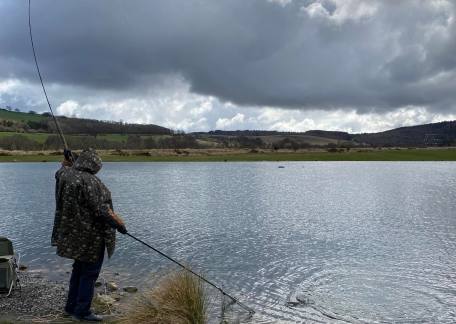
(353, 241)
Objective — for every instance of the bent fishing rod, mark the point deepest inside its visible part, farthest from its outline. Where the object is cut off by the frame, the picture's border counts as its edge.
(65, 145)
(234, 299)
(67, 152)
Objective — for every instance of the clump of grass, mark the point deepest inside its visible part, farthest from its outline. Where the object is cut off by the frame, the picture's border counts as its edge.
(142, 153)
(178, 298)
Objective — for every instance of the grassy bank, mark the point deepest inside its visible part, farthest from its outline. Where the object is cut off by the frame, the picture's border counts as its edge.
(441, 154)
(20, 116)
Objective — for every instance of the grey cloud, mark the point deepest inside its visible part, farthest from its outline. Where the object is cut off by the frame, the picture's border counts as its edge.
(248, 52)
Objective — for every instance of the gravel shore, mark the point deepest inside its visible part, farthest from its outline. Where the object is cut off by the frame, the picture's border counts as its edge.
(37, 298)
(40, 300)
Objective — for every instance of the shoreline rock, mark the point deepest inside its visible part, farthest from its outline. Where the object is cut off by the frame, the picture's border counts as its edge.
(112, 286)
(130, 289)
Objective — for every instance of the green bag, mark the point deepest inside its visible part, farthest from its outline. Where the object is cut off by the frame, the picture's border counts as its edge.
(8, 266)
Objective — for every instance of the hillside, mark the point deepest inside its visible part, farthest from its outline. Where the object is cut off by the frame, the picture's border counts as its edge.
(436, 134)
(20, 116)
(33, 122)
(32, 131)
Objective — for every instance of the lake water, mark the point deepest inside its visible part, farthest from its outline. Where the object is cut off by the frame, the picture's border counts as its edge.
(356, 241)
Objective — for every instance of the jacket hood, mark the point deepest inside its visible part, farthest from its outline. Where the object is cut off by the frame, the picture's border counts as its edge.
(88, 161)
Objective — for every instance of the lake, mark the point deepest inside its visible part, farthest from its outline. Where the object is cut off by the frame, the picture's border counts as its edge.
(355, 241)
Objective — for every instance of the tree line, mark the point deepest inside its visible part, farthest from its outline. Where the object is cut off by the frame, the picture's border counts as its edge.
(53, 142)
(176, 141)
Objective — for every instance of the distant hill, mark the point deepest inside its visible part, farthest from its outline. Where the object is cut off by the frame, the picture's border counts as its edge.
(33, 122)
(440, 134)
(6, 114)
(94, 127)
(248, 133)
(317, 133)
(341, 136)
(435, 134)
(32, 131)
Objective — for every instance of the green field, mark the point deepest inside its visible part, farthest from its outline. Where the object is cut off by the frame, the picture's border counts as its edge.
(123, 137)
(37, 137)
(378, 155)
(114, 137)
(41, 137)
(20, 116)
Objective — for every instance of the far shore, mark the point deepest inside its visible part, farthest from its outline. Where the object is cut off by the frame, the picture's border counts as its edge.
(226, 155)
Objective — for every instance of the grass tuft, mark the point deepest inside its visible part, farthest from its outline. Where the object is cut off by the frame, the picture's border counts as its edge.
(178, 298)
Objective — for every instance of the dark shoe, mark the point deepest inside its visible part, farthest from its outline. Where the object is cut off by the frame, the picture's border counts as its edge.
(67, 313)
(89, 318)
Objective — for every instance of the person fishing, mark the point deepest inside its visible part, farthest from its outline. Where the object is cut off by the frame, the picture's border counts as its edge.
(85, 226)
(85, 223)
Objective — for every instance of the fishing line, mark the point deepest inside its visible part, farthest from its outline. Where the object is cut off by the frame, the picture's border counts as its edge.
(234, 299)
(59, 130)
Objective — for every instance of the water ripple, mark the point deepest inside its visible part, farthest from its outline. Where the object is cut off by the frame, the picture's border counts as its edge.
(348, 242)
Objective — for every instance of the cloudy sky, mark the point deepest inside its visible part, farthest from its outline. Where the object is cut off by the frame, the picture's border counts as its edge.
(196, 65)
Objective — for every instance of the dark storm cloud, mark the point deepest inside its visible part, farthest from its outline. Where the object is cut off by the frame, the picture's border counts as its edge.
(368, 55)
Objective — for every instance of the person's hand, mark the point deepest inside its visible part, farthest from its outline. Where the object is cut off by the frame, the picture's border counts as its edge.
(122, 229)
(119, 223)
(66, 163)
(68, 155)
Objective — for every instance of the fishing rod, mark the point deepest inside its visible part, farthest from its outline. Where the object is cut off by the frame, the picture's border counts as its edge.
(67, 152)
(234, 299)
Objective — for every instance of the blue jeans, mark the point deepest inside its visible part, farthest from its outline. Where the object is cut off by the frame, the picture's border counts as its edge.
(82, 286)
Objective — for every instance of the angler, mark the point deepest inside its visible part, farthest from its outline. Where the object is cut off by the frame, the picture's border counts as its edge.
(85, 223)
(84, 228)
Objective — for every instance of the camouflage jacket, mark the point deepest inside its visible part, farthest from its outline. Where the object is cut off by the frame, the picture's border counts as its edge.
(81, 225)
